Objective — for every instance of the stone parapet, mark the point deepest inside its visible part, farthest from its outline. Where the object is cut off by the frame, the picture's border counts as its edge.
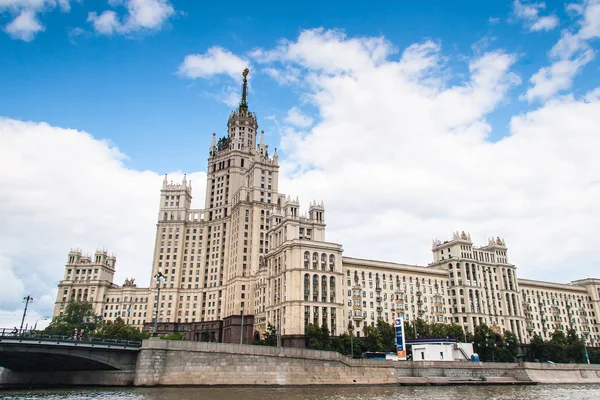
(196, 363)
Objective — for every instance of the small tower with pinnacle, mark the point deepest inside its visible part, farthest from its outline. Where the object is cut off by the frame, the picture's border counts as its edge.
(242, 126)
(175, 200)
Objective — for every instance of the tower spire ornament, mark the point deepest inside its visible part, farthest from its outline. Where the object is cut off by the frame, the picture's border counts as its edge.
(243, 103)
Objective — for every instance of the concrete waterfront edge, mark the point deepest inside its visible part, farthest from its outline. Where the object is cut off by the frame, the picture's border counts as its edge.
(184, 363)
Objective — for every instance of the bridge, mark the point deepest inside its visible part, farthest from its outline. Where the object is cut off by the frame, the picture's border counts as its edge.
(61, 353)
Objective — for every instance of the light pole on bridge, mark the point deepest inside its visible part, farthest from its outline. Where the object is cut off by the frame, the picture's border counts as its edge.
(159, 276)
(27, 299)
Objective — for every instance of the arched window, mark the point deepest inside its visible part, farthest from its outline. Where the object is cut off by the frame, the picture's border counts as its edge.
(306, 287)
(323, 262)
(332, 289)
(331, 262)
(306, 259)
(315, 288)
(315, 260)
(324, 289)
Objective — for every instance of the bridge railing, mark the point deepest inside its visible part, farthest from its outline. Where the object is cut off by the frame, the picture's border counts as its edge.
(12, 334)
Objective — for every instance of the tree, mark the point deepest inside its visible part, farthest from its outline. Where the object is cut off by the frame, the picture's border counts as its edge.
(457, 332)
(318, 337)
(270, 336)
(575, 351)
(78, 317)
(388, 336)
(539, 348)
(484, 342)
(173, 336)
(372, 340)
(511, 343)
(119, 330)
(558, 347)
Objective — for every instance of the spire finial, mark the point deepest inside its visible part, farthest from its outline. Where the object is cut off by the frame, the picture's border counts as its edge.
(243, 103)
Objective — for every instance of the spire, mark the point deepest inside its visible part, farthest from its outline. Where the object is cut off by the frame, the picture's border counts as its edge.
(165, 182)
(243, 103)
(262, 138)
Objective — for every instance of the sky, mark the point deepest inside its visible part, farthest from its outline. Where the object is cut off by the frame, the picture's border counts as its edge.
(410, 120)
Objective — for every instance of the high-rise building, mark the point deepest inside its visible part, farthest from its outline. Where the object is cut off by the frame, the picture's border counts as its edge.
(250, 252)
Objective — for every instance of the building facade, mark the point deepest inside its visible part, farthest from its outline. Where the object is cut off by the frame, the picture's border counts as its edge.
(251, 252)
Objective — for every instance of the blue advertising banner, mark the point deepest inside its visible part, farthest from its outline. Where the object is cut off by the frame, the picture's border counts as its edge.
(400, 343)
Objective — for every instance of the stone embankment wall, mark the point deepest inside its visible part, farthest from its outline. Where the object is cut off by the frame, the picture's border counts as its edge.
(195, 363)
(563, 373)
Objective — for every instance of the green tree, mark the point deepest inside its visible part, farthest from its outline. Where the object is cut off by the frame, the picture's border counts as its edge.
(270, 336)
(387, 334)
(484, 342)
(511, 343)
(343, 344)
(557, 347)
(594, 356)
(318, 337)
(575, 351)
(173, 336)
(373, 340)
(119, 330)
(539, 348)
(78, 317)
(457, 332)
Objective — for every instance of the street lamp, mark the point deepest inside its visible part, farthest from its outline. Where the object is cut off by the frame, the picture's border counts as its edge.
(242, 328)
(351, 330)
(27, 299)
(587, 356)
(158, 278)
(39, 319)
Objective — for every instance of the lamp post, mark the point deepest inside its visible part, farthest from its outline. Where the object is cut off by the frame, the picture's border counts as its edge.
(351, 330)
(242, 329)
(158, 278)
(27, 299)
(39, 319)
(587, 356)
(277, 298)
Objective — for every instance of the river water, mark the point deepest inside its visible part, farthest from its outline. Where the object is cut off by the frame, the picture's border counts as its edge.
(554, 392)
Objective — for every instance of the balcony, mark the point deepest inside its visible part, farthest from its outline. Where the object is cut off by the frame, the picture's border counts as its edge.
(378, 289)
(357, 317)
(530, 329)
(379, 299)
(379, 309)
(419, 293)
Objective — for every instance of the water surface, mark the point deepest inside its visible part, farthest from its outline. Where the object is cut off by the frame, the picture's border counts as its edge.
(554, 392)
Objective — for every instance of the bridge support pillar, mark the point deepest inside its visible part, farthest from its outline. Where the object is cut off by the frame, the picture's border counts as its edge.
(151, 363)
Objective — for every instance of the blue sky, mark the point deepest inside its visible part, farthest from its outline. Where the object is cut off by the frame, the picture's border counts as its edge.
(409, 119)
(125, 88)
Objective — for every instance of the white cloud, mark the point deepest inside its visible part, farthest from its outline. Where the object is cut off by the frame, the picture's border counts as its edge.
(335, 51)
(284, 76)
(569, 55)
(298, 118)
(409, 160)
(529, 13)
(215, 61)
(548, 81)
(141, 16)
(70, 190)
(24, 26)
(25, 23)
